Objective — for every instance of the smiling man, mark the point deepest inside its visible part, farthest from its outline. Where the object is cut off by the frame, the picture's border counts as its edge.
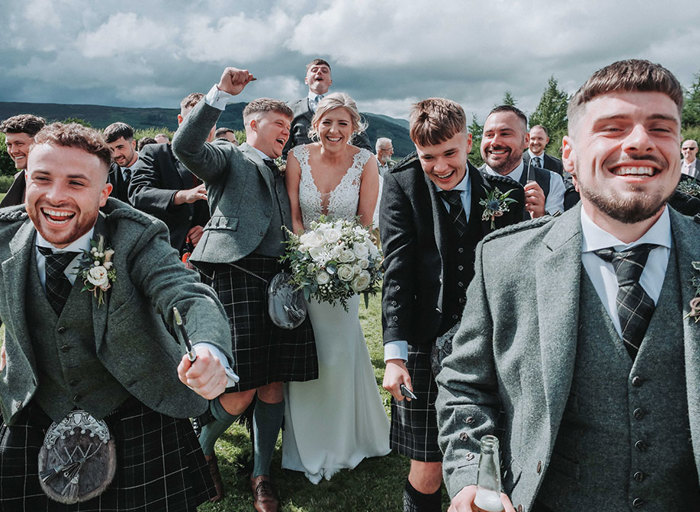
(19, 135)
(240, 248)
(121, 142)
(431, 218)
(568, 359)
(318, 79)
(539, 138)
(103, 352)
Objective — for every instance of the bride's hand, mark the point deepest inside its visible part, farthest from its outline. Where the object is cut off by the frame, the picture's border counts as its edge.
(396, 374)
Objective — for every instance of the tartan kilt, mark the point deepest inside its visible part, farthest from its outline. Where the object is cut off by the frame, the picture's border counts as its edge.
(160, 466)
(262, 352)
(414, 430)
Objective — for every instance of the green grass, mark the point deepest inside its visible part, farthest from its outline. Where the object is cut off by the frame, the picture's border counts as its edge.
(2, 195)
(376, 485)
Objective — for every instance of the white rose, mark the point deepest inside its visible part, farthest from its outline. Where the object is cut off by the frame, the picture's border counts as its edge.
(311, 239)
(361, 250)
(337, 252)
(332, 235)
(345, 272)
(319, 255)
(347, 256)
(364, 263)
(98, 277)
(361, 282)
(356, 269)
(322, 277)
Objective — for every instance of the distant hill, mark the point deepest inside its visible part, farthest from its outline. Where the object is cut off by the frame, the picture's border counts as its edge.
(142, 118)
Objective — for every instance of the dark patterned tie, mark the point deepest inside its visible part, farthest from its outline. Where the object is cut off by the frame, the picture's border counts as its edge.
(536, 161)
(273, 167)
(456, 210)
(57, 284)
(127, 175)
(634, 306)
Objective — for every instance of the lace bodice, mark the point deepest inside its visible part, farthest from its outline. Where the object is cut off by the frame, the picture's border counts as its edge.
(342, 200)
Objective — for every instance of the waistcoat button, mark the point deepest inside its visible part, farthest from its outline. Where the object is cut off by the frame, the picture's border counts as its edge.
(639, 476)
(636, 381)
(641, 446)
(638, 413)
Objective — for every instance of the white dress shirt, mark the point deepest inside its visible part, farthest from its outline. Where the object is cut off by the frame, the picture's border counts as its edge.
(602, 273)
(398, 349)
(691, 169)
(83, 244)
(555, 199)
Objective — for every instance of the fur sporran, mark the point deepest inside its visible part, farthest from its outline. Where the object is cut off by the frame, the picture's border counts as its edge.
(78, 459)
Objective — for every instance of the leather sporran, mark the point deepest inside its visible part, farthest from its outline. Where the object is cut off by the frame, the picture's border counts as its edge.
(285, 302)
(78, 458)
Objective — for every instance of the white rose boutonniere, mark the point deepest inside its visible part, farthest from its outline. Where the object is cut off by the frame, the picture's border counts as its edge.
(96, 269)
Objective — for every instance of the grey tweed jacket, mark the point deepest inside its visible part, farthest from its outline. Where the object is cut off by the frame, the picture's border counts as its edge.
(131, 340)
(515, 350)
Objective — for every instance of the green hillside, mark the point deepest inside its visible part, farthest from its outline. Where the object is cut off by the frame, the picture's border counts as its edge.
(143, 118)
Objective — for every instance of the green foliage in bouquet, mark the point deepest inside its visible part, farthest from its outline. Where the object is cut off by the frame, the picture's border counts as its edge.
(334, 260)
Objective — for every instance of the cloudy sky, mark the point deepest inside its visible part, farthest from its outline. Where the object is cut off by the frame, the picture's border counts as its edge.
(385, 53)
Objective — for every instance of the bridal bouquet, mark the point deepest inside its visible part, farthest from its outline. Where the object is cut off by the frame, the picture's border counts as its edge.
(334, 260)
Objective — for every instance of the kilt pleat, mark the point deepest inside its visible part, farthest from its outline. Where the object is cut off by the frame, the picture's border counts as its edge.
(414, 430)
(160, 466)
(262, 352)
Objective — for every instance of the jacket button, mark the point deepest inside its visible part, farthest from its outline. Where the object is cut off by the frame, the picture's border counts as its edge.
(393, 303)
(637, 502)
(460, 284)
(62, 329)
(469, 420)
(65, 348)
(463, 436)
(637, 381)
(520, 508)
(638, 413)
(395, 318)
(641, 446)
(469, 456)
(397, 287)
(539, 467)
(17, 404)
(460, 267)
(639, 476)
(460, 250)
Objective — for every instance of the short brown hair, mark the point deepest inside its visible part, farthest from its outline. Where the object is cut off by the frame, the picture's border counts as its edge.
(23, 123)
(513, 110)
(263, 105)
(541, 127)
(189, 102)
(632, 75)
(435, 120)
(117, 130)
(74, 135)
(333, 102)
(318, 62)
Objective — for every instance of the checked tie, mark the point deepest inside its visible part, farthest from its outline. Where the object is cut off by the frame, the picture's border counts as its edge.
(57, 284)
(634, 306)
(456, 210)
(536, 161)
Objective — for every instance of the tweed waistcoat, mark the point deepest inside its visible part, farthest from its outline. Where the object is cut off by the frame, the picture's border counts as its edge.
(624, 440)
(459, 268)
(272, 243)
(70, 375)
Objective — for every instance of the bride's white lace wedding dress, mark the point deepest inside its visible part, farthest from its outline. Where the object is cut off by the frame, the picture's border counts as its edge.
(334, 422)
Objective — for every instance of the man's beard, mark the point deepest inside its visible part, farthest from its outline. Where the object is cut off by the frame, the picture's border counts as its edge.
(639, 206)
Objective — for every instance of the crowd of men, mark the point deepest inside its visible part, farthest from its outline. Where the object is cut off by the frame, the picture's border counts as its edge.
(566, 357)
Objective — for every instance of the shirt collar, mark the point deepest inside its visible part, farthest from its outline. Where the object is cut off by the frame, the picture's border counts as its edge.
(262, 155)
(532, 155)
(79, 245)
(312, 96)
(514, 174)
(595, 237)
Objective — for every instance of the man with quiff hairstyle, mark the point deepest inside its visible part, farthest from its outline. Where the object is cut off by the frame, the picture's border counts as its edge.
(432, 216)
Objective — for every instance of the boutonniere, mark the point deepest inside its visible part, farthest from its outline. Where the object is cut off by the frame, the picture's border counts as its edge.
(695, 302)
(690, 187)
(495, 204)
(96, 269)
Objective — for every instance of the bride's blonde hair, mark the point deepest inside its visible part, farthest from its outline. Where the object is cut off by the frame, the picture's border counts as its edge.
(332, 102)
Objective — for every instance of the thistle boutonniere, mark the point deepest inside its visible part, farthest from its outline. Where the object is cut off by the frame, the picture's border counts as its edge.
(690, 187)
(495, 204)
(96, 269)
(695, 302)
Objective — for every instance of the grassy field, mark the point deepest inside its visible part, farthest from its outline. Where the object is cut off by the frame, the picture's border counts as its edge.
(376, 485)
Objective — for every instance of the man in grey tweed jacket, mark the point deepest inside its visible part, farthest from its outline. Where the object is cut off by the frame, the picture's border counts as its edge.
(587, 421)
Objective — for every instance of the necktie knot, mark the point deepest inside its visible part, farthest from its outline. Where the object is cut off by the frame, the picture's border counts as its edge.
(57, 284)
(453, 197)
(273, 166)
(127, 174)
(628, 264)
(537, 162)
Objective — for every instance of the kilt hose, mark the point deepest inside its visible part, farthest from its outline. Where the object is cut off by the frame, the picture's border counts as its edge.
(262, 352)
(160, 466)
(414, 430)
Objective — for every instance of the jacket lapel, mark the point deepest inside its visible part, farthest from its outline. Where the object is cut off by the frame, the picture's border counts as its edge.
(99, 313)
(479, 187)
(557, 277)
(687, 251)
(15, 270)
(253, 155)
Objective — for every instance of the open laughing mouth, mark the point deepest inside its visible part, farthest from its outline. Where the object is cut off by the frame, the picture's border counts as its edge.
(445, 176)
(635, 172)
(57, 216)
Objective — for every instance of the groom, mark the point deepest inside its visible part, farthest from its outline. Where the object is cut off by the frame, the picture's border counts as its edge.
(240, 249)
(432, 217)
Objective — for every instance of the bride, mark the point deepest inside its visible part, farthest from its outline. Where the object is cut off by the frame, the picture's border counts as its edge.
(335, 421)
